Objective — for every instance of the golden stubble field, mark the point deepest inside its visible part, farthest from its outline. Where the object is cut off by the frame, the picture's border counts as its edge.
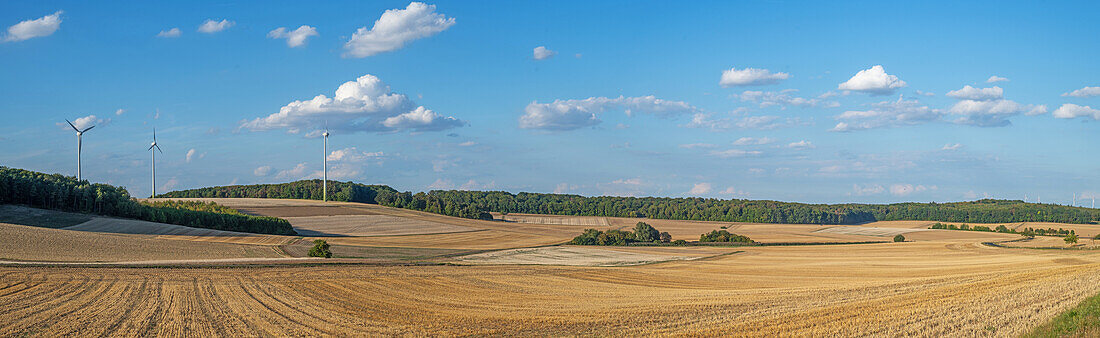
(942, 283)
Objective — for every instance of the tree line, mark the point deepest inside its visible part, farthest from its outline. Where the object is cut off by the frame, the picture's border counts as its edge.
(477, 204)
(59, 192)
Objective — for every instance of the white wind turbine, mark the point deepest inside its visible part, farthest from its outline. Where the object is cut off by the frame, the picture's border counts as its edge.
(154, 145)
(79, 146)
(324, 183)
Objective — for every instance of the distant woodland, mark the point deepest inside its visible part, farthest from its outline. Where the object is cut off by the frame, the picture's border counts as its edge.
(477, 205)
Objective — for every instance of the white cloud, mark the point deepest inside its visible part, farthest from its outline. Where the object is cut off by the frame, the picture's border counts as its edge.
(262, 171)
(697, 145)
(441, 184)
(120, 112)
(467, 144)
(395, 28)
(353, 154)
(873, 81)
(924, 93)
(366, 104)
(210, 26)
(977, 94)
(746, 141)
(766, 122)
(84, 122)
(735, 153)
(949, 146)
(750, 77)
(783, 98)
(28, 29)
(869, 189)
(733, 192)
(190, 155)
(294, 38)
(700, 189)
(1069, 111)
(296, 173)
(887, 114)
(993, 113)
(171, 33)
(803, 144)
(475, 185)
(622, 187)
(563, 188)
(995, 79)
(574, 114)
(542, 53)
(907, 189)
(1084, 92)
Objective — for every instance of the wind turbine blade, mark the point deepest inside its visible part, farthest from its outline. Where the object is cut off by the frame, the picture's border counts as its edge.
(154, 135)
(158, 148)
(151, 147)
(71, 125)
(89, 128)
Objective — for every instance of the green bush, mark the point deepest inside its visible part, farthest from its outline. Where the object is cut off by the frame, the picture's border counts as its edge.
(1071, 239)
(666, 237)
(679, 242)
(320, 249)
(899, 238)
(646, 233)
(723, 236)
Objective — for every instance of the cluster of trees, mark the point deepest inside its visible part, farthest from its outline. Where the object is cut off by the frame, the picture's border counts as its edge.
(55, 191)
(723, 236)
(643, 233)
(1003, 229)
(320, 249)
(433, 201)
(477, 204)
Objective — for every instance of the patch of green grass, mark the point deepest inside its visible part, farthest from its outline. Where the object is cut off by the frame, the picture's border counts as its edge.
(1081, 321)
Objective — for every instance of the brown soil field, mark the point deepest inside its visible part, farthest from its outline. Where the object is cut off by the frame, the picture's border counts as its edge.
(177, 232)
(554, 220)
(27, 243)
(571, 255)
(914, 289)
(866, 231)
(369, 225)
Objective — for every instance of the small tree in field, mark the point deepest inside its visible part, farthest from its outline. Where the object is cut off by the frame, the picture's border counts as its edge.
(665, 237)
(320, 249)
(1071, 239)
(899, 238)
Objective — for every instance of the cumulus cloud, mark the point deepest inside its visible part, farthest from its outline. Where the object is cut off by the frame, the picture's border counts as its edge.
(262, 171)
(783, 99)
(84, 122)
(887, 114)
(803, 144)
(992, 113)
(907, 189)
(190, 155)
(949, 146)
(543, 53)
(120, 111)
(700, 189)
(353, 154)
(873, 81)
(995, 79)
(174, 32)
(1069, 111)
(869, 189)
(210, 26)
(294, 38)
(747, 141)
(977, 94)
(766, 122)
(298, 172)
(574, 114)
(750, 77)
(29, 29)
(731, 191)
(366, 104)
(395, 28)
(1084, 92)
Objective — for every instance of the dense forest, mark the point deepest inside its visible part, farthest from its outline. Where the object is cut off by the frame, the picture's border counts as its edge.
(475, 204)
(65, 193)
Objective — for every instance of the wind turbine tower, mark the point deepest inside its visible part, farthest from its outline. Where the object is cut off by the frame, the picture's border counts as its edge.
(79, 146)
(324, 183)
(154, 145)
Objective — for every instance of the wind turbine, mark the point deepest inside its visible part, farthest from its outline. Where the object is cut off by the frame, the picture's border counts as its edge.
(154, 145)
(79, 146)
(324, 183)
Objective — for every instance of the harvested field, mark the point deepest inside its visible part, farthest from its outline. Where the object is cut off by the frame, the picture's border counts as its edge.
(568, 255)
(472, 240)
(25, 243)
(554, 220)
(16, 214)
(921, 289)
(176, 232)
(369, 225)
(867, 231)
(303, 211)
(301, 249)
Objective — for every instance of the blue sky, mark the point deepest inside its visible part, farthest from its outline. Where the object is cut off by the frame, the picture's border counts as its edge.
(794, 101)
